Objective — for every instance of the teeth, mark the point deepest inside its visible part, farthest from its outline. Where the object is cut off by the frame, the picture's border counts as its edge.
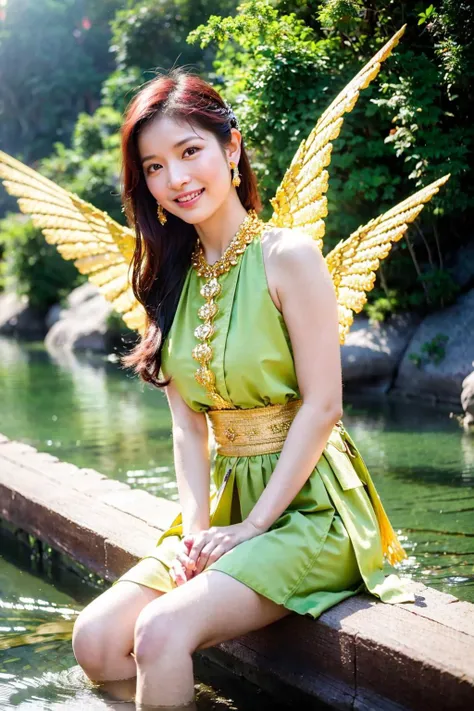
(189, 197)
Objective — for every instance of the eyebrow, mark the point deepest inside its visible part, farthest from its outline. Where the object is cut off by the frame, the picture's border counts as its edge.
(176, 145)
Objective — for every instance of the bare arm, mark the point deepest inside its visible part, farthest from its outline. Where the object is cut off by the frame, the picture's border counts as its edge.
(309, 306)
(192, 461)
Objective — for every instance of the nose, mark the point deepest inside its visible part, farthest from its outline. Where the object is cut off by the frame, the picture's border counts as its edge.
(177, 178)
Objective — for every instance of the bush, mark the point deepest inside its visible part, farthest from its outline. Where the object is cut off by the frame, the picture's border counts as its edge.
(32, 267)
(280, 64)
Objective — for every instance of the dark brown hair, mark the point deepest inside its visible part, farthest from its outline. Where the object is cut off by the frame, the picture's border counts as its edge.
(162, 253)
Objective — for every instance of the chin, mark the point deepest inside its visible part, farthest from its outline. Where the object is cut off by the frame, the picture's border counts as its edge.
(195, 217)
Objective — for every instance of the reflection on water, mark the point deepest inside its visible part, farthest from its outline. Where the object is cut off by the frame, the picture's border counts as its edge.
(38, 670)
(422, 463)
(89, 411)
(36, 659)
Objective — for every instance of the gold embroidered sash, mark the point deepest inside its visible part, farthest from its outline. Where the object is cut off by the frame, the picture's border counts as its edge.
(259, 430)
(263, 430)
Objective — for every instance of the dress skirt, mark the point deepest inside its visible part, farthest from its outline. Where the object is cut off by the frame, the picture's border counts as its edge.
(324, 548)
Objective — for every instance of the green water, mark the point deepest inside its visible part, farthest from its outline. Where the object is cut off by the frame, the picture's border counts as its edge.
(40, 598)
(86, 410)
(89, 411)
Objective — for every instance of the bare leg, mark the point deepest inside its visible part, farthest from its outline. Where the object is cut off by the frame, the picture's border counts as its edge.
(199, 614)
(103, 637)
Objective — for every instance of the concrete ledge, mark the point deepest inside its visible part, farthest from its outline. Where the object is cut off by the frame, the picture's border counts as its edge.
(361, 654)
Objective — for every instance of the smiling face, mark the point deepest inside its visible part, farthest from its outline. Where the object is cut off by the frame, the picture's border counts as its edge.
(183, 161)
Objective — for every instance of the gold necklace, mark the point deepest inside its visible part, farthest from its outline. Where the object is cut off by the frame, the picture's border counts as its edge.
(210, 290)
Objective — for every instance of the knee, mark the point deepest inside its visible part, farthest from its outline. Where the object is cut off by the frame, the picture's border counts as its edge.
(87, 644)
(156, 633)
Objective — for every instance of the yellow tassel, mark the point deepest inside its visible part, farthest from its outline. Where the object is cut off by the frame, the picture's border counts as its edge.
(391, 546)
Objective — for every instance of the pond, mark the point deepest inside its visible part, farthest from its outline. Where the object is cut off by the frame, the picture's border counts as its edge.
(85, 409)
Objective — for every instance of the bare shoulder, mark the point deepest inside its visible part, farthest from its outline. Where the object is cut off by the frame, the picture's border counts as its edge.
(286, 245)
(287, 251)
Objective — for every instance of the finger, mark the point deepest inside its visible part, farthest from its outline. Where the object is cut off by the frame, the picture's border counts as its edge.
(188, 541)
(198, 545)
(215, 555)
(179, 572)
(204, 555)
(174, 575)
(187, 573)
(185, 560)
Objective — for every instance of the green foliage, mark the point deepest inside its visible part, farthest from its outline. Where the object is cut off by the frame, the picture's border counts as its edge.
(424, 128)
(281, 64)
(434, 351)
(426, 14)
(55, 57)
(151, 34)
(339, 13)
(91, 167)
(119, 88)
(381, 307)
(31, 267)
(441, 289)
(275, 76)
(47, 92)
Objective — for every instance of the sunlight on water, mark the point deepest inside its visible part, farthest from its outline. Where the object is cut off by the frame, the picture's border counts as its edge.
(422, 463)
(38, 670)
(88, 411)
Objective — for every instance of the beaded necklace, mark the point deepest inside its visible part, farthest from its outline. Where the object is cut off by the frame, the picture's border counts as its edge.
(210, 290)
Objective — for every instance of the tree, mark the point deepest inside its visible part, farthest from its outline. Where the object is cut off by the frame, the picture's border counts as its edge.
(53, 59)
(282, 63)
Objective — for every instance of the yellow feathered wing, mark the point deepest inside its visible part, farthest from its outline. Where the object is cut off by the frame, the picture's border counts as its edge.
(100, 247)
(352, 265)
(300, 200)
(354, 261)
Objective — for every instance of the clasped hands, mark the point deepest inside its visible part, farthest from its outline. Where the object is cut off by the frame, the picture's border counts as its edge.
(198, 550)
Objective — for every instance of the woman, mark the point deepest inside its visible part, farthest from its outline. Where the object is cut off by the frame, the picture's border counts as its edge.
(243, 336)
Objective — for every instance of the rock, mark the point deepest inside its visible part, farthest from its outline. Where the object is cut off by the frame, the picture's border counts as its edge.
(468, 422)
(467, 394)
(18, 319)
(463, 266)
(442, 380)
(467, 402)
(372, 352)
(82, 294)
(83, 326)
(54, 314)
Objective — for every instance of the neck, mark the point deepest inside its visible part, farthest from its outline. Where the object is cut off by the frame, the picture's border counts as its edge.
(216, 233)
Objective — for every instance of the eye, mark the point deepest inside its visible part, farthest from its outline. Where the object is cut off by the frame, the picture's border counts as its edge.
(151, 166)
(191, 148)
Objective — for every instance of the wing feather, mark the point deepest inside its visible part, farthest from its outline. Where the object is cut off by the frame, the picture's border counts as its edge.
(353, 262)
(100, 247)
(300, 199)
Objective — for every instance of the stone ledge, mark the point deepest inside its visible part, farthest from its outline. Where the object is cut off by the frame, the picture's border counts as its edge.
(361, 654)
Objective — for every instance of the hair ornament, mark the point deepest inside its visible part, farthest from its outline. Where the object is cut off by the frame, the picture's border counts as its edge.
(231, 116)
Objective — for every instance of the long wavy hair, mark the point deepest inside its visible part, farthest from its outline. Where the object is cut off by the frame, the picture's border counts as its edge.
(162, 253)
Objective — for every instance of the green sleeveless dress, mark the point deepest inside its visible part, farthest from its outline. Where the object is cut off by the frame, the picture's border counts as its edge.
(326, 546)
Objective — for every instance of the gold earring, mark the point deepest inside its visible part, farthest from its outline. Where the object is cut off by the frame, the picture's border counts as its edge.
(161, 214)
(235, 178)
